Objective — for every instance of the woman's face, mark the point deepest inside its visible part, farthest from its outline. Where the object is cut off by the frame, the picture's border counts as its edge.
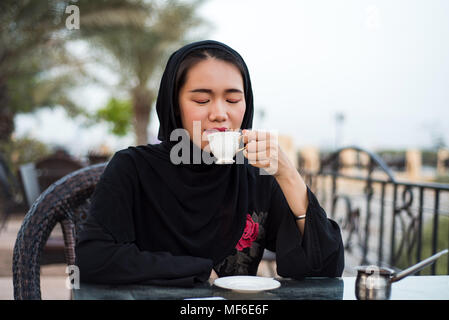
(212, 95)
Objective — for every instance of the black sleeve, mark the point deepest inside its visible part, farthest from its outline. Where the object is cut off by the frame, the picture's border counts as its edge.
(105, 250)
(318, 252)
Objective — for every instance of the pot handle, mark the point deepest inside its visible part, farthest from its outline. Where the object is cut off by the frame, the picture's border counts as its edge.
(417, 267)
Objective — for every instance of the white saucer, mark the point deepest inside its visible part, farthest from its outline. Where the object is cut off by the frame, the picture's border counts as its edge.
(247, 284)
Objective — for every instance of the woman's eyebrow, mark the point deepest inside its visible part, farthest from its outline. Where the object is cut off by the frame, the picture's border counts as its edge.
(210, 91)
(233, 90)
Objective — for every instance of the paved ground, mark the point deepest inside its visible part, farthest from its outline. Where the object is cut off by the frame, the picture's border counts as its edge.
(53, 277)
(52, 288)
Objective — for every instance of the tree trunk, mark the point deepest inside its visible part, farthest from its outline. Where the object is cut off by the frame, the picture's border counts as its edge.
(6, 115)
(142, 103)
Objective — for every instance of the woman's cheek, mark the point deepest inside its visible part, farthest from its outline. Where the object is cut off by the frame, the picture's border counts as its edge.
(239, 113)
(195, 114)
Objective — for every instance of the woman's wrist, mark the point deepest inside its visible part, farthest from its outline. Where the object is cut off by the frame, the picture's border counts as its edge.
(287, 174)
(285, 169)
(295, 191)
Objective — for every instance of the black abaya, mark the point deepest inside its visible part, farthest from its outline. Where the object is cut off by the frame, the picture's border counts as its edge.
(151, 221)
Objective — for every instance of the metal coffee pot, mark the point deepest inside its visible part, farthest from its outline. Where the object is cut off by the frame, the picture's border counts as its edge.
(374, 283)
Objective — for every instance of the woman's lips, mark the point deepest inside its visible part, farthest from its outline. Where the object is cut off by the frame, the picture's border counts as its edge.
(222, 129)
(209, 131)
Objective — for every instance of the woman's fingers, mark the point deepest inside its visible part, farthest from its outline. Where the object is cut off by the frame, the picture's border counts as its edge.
(251, 135)
(213, 275)
(259, 156)
(257, 162)
(258, 146)
(261, 149)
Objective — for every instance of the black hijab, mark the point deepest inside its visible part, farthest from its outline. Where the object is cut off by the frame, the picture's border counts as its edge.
(194, 209)
(165, 105)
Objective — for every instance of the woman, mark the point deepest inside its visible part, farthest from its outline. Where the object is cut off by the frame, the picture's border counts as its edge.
(155, 222)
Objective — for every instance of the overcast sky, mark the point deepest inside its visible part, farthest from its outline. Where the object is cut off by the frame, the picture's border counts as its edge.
(383, 63)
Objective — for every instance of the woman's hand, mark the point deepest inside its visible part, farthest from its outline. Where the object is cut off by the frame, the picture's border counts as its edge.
(263, 151)
(213, 276)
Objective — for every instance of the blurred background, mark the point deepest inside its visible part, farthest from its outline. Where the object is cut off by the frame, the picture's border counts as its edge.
(79, 81)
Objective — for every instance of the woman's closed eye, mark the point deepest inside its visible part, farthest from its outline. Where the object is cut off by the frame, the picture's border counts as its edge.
(206, 101)
(202, 102)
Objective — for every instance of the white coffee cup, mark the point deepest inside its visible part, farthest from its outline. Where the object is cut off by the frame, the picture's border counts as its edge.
(224, 145)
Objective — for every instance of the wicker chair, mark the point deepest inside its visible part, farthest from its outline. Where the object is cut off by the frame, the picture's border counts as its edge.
(66, 201)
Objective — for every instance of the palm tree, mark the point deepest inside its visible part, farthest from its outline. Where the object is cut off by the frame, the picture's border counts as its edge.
(36, 69)
(139, 53)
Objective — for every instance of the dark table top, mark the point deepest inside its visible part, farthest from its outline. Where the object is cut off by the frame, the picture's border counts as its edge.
(410, 288)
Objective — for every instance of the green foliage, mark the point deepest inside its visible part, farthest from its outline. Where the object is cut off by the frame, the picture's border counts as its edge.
(442, 243)
(429, 157)
(22, 150)
(138, 53)
(36, 68)
(387, 152)
(119, 114)
(131, 37)
(442, 179)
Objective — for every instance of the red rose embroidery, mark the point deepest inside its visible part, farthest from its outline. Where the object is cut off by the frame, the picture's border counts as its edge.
(249, 234)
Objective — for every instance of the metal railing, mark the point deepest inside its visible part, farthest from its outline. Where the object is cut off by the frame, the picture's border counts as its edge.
(382, 218)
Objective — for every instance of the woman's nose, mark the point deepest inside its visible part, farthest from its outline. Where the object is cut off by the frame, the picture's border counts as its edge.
(217, 111)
